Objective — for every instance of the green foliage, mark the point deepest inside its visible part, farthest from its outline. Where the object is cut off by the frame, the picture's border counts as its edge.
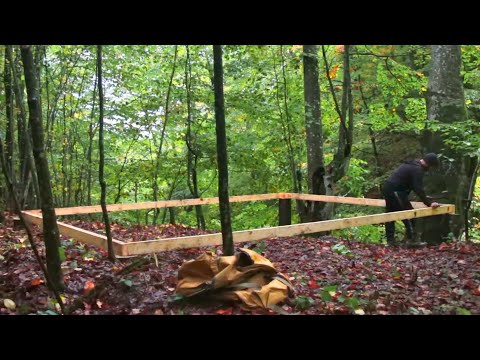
(128, 283)
(264, 113)
(255, 214)
(354, 183)
(260, 248)
(351, 302)
(341, 249)
(303, 302)
(460, 136)
(47, 312)
(462, 311)
(327, 292)
(61, 251)
(367, 233)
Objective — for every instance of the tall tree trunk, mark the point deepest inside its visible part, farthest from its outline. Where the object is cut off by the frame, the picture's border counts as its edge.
(10, 127)
(287, 127)
(370, 130)
(90, 143)
(170, 193)
(101, 150)
(446, 104)
(341, 159)
(288, 122)
(137, 212)
(192, 156)
(222, 158)
(162, 136)
(65, 142)
(50, 229)
(27, 163)
(313, 124)
(18, 210)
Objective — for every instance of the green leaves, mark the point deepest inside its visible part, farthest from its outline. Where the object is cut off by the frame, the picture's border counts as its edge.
(328, 292)
(260, 248)
(462, 311)
(303, 302)
(128, 283)
(341, 249)
(47, 312)
(61, 252)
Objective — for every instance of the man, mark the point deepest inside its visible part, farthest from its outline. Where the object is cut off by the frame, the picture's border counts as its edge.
(408, 177)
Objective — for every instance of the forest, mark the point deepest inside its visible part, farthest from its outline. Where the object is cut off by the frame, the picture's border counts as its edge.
(110, 127)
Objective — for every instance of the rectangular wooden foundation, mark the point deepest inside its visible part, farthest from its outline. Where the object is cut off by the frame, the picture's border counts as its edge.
(147, 247)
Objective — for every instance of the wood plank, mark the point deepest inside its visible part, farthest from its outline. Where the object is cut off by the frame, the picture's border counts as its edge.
(233, 199)
(77, 234)
(148, 247)
(163, 204)
(349, 200)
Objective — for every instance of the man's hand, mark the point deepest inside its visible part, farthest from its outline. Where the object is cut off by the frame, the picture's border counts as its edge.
(435, 205)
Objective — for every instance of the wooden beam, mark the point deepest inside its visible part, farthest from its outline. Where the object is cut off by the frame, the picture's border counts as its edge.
(76, 233)
(204, 201)
(162, 204)
(148, 247)
(348, 200)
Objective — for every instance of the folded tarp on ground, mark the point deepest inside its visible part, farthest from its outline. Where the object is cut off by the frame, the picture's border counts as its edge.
(246, 277)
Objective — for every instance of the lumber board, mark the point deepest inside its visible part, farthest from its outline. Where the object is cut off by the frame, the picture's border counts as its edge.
(349, 200)
(162, 204)
(204, 201)
(152, 246)
(76, 233)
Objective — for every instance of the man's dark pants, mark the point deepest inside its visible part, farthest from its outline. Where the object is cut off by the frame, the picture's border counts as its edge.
(397, 201)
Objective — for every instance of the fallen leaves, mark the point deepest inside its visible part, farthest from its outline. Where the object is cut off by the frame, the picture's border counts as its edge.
(224, 312)
(330, 276)
(89, 286)
(37, 281)
(9, 304)
(312, 284)
(140, 232)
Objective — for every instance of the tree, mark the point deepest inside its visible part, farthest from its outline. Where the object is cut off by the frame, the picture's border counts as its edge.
(26, 225)
(322, 179)
(10, 130)
(338, 168)
(313, 125)
(448, 119)
(28, 174)
(162, 135)
(101, 166)
(50, 228)
(222, 158)
(192, 146)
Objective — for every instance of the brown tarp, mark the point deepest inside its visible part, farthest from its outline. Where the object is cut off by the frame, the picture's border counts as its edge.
(246, 277)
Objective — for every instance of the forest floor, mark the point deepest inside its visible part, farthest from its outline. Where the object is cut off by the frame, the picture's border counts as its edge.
(330, 276)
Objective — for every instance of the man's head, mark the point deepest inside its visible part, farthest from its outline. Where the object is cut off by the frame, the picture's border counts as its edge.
(430, 161)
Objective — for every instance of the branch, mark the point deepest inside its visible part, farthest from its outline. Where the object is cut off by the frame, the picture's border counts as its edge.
(332, 90)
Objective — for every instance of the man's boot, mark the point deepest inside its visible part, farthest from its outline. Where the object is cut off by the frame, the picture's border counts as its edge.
(392, 242)
(414, 242)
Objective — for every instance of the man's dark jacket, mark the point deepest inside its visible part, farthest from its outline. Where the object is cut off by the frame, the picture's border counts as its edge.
(408, 177)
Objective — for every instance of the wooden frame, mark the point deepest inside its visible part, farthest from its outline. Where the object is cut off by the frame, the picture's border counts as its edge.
(283, 230)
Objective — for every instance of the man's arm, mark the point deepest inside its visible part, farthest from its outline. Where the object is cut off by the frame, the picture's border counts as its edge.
(417, 184)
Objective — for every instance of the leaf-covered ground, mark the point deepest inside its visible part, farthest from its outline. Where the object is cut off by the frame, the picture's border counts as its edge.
(330, 276)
